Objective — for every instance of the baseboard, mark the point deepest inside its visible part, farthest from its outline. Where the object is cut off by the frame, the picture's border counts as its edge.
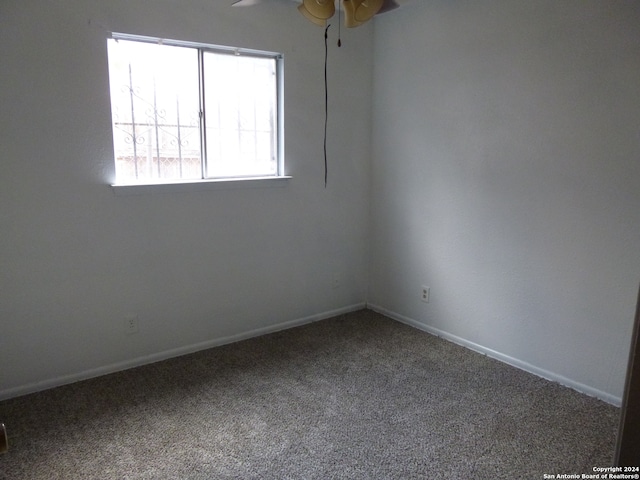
(176, 352)
(514, 362)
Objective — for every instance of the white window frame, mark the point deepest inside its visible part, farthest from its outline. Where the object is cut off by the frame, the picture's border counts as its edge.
(206, 182)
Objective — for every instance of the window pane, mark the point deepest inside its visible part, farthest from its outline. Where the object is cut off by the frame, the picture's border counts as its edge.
(155, 111)
(240, 109)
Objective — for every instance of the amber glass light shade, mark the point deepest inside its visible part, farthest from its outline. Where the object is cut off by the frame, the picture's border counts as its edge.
(367, 9)
(350, 13)
(357, 12)
(318, 11)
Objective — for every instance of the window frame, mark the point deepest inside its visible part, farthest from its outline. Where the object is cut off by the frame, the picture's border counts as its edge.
(125, 187)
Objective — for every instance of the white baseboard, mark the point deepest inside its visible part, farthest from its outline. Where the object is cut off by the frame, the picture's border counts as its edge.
(176, 352)
(527, 367)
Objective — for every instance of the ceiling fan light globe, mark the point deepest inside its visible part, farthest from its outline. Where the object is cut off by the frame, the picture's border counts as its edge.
(349, 7)
(367, 9)
(318, 11)
(318, 21)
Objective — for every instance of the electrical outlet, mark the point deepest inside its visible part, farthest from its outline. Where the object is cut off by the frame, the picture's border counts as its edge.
(131, 324)
(424, 296)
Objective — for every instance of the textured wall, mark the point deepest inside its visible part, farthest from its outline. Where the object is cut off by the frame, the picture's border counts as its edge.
(195, 267)
(506, 177)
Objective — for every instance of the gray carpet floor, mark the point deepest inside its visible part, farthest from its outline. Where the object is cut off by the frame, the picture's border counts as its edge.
(358, 396)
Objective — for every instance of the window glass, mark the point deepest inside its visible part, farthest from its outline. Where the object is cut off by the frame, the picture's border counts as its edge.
(184, 112)
(240, 106)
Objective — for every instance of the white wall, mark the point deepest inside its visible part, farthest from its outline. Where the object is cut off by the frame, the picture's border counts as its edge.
(195, 267)
(506, 176)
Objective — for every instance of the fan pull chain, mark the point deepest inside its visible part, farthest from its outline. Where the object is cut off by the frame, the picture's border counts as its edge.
(339, 29)
(326, 102)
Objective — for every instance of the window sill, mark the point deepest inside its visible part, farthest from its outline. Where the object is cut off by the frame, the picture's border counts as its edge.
(198, 185)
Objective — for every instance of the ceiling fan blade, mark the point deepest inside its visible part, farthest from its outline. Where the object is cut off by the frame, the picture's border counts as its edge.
(348, 5)
(245, 3)
(251, 3)
(388, 5)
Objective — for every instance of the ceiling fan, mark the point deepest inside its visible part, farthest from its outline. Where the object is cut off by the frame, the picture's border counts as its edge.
(356, 12)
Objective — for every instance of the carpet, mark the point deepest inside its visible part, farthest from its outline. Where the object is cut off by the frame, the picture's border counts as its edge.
(358, 396)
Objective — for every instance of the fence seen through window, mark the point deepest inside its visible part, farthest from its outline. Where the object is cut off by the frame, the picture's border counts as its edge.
(183, 112)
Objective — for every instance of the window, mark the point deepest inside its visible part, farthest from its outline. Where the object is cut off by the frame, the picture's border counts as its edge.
(185, 112)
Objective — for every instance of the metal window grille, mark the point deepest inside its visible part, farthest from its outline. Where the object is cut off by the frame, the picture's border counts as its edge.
(185, 111)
